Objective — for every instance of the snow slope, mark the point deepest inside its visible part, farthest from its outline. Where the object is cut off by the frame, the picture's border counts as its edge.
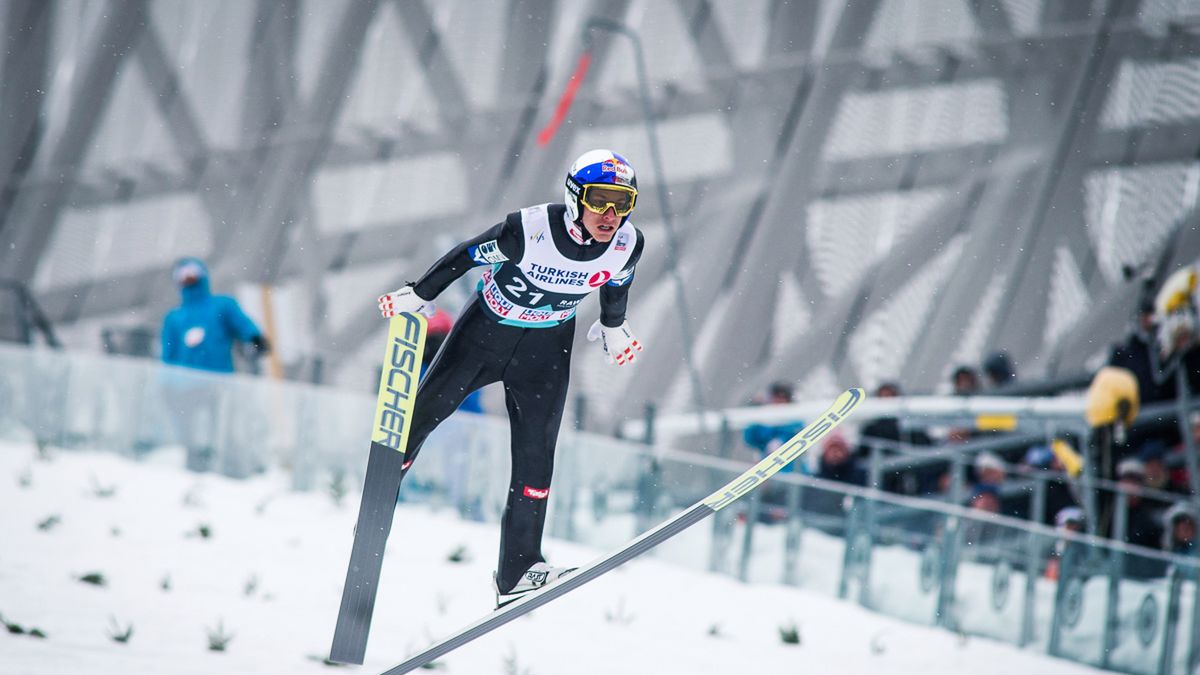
(270, 573)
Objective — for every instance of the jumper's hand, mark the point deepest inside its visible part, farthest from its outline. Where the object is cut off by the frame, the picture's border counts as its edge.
(405, 300)
(620, 346)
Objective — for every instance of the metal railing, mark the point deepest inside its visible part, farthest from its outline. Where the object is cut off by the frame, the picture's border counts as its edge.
(1072, 595)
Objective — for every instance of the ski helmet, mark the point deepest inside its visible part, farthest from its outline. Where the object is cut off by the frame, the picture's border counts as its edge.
(597, 167)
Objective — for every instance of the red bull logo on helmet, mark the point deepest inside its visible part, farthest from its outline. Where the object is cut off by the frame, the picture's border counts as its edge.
(621, 172)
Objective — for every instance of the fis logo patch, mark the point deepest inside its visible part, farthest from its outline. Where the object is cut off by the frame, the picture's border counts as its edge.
(487, 253)
(539, 237)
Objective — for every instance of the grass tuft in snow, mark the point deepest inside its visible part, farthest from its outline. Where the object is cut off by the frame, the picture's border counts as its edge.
(49, 523)
(338, 487)
(459, 555)
(165, 583)
(789, 633)
(18, 629)
(878, 648)
(94, 578)
(117, 633)
(218, 638)
(324, 660)
(100, 491)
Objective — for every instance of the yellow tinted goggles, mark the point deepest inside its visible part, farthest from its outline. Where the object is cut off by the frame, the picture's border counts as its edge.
(600, 197)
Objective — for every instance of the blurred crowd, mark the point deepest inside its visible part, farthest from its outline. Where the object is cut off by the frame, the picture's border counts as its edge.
(1141, 488)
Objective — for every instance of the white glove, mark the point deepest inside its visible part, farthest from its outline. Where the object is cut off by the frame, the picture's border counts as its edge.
(619, 344)
(405, 301)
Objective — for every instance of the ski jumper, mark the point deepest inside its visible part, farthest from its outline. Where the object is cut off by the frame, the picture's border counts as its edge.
(518, 329)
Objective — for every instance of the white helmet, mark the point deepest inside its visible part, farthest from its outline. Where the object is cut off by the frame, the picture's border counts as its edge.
(597, 167)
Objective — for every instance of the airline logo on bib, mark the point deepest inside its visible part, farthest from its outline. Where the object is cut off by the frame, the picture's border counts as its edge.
(599, 278)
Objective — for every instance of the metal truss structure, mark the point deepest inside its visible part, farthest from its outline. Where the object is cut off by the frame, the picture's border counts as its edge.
(880, 188)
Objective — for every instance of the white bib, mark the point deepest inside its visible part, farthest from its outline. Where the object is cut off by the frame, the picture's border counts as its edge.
(544, 287)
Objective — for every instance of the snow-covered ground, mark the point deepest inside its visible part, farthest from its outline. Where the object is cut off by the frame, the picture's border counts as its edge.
(270, 571)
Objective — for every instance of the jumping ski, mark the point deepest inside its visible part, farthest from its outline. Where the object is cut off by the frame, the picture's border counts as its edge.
(735, 490)
(389, 439)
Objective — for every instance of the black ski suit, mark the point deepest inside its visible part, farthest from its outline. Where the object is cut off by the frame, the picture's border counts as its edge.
(533, 363)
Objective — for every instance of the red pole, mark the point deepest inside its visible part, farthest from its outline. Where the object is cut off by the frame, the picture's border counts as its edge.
(564, 103)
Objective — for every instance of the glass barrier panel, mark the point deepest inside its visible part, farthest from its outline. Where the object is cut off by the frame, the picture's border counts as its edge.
(906, 570)
(928, 562)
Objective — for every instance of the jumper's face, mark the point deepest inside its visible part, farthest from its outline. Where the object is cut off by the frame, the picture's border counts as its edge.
(601, 226)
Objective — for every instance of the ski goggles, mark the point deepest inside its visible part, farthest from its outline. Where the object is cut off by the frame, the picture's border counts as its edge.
(599, 197)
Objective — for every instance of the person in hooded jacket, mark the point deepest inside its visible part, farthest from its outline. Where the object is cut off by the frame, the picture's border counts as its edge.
(200, 335)
(201, 331)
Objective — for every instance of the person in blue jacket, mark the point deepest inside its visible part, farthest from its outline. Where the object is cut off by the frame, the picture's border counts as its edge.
(200, 334)
(766, 438)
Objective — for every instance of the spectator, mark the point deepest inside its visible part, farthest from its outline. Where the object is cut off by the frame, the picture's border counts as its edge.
(986, 498)
(1068, 519)
(1179, 530)
(1142, 527)
(989, 469)
(880, 428)
(1178, 334)
(999, 370)
(882, 432)
(766, 438)
(1153, 457)
(990, 474)
(201, 331)
(1178, 479)
(1136, 354)
(981, 535)
(200, 334)
(1163, 340)
(838, 463)
(965, 381)
(1040, 458)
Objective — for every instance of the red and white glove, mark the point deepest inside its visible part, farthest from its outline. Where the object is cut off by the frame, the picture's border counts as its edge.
(619, 343)
(405, 301)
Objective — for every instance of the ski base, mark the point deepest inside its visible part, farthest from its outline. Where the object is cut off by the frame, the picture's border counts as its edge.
(385, 468)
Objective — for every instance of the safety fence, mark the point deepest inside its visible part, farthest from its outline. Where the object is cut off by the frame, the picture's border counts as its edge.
(924, 560)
